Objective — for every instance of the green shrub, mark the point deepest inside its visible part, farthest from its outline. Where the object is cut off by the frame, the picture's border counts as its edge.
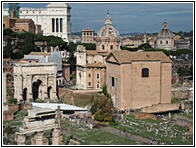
(99, 116)
(12, 101)
(108, 117)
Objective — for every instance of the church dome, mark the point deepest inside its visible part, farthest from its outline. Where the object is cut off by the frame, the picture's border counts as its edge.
(165, 32)
(108, 30)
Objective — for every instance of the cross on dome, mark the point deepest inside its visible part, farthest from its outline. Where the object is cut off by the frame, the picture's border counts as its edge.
(108, 19)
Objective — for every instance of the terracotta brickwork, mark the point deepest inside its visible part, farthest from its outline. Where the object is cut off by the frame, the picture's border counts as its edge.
(66, 71)
(7, 116)
(127, 84)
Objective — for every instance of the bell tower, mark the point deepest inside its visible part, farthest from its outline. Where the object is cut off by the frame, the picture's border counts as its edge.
(14, 10)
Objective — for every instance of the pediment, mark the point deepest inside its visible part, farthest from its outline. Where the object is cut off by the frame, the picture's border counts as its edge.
(111, 58)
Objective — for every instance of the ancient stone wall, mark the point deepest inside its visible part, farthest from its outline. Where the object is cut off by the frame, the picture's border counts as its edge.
(161, 107)
(183, 122)
(7, 116)
(180, 94)
(16, 107)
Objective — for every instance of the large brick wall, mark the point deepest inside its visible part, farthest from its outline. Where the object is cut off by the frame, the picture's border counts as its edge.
(155, 108)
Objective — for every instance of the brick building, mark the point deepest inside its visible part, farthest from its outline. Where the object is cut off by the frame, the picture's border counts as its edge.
(138, 79)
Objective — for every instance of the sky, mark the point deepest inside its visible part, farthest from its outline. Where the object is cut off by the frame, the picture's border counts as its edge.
(128, 17)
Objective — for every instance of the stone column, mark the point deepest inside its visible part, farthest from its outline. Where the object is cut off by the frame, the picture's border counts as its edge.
(54, 95)
(21, 138)
(30, 96)
(4, 88)
(55, 137)
(59, 24)
(41, 48)
(30, 93)
(59, 116)
(18, 84)
(46, 80)
(65, 31)
(44, 88)
(39, 138)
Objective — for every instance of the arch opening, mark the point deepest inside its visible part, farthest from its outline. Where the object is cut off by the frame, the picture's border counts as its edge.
(24, 96)
(35, 89)
(48, 91)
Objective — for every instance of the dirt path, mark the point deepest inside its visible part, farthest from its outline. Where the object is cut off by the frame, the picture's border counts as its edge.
(125, 135)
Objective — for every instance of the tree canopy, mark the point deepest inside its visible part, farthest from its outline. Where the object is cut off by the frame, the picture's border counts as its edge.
(171, 52)
(89, 46)
(127, 48)
(144, 46)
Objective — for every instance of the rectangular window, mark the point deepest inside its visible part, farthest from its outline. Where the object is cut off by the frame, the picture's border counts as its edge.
(111, 47)
(112, 81)
(97, 75)
(160, 42)
(145, 72)
(89, 75)
(166, 42)
(89, 83)
(102, 46)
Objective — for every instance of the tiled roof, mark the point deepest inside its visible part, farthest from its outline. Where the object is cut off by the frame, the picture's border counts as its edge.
(23, 20)
(99, 64)
(40, 53)
(95, 52)
(125, 56)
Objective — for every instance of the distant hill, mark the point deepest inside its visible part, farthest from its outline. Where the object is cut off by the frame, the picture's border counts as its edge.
(131, 34)
(122, 34)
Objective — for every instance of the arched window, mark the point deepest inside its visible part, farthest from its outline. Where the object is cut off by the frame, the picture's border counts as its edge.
(160, 42)
(166, 42)
(145, 72)
(102, 46)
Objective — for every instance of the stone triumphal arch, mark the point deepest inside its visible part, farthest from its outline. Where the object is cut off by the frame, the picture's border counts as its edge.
(35, 80)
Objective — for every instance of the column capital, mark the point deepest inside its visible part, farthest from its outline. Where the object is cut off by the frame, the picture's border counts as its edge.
(21, 139)
(55, 132)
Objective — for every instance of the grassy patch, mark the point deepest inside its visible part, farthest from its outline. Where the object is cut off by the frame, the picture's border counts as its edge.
(98, 137)
(93, 136)
(84, 99)
(147, 128)
(175, 101)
